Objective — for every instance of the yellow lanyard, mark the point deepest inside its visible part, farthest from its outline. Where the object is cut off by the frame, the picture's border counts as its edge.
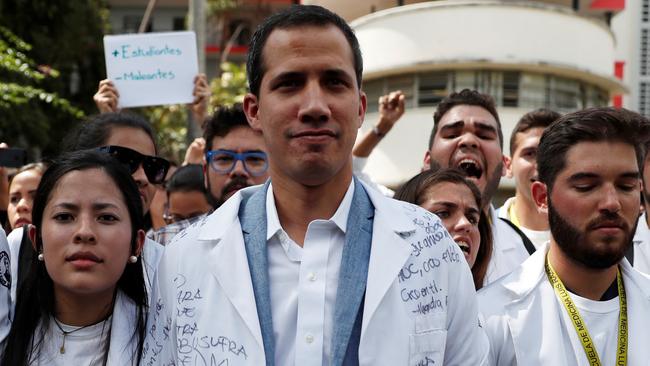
(581, 327)
(513, 215)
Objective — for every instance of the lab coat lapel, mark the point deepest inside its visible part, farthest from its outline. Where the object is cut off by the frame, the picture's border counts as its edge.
(389, 252)
(252, 215)
(535, 312)
(353, 273)
(124, 337)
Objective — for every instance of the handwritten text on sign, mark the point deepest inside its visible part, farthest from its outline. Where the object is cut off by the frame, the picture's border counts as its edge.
(152, 68)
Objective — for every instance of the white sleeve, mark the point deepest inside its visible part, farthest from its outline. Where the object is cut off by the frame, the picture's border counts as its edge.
(5, 288)
(358, 164)
(467, 343)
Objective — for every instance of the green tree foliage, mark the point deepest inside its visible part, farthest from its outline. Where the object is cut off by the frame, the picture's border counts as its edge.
(51, 60)
(230, 87)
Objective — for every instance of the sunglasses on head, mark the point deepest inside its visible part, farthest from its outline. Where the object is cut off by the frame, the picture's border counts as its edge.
(155, 168)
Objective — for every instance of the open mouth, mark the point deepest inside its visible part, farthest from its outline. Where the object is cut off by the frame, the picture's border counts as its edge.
(471, 168)
(463, 246)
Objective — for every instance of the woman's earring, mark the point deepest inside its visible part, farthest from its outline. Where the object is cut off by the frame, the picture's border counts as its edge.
(40, 257)
(132, 259)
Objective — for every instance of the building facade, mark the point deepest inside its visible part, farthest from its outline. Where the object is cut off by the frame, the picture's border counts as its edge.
(526, 54)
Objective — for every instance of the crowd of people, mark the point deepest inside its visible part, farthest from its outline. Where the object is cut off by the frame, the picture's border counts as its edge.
(269, 245)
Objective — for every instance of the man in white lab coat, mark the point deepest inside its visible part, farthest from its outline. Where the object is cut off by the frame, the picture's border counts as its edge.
(577, 300)
(313, 268)
(467, 135)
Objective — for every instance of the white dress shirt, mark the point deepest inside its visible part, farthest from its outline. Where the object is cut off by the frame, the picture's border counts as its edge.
(303, 284)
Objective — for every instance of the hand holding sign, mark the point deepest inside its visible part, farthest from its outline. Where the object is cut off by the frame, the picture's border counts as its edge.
(148, 69)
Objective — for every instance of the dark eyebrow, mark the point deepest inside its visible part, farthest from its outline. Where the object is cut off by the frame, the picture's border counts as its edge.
(287, 75)
(626, 175)
(485, 127)
(473, 210)
(340, 73)
(95, 206)
(448, 205)
(452, 126)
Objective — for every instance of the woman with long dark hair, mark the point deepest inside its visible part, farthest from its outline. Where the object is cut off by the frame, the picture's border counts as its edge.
(84, 300)
(457, 202)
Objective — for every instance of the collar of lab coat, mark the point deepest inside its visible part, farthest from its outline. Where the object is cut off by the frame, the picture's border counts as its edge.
(124, 338)
(218, 224)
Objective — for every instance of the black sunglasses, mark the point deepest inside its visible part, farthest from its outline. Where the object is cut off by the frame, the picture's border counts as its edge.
(155, 168)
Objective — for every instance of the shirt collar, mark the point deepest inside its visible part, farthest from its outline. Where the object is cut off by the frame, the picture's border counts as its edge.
(340, 217)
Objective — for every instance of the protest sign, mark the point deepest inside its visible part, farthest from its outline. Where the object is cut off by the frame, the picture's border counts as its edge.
(152, 68)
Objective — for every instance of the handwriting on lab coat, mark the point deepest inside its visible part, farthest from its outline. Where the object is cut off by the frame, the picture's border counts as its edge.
(421, 288)
(194, 346)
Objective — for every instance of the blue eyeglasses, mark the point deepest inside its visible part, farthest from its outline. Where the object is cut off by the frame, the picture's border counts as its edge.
(256, 163)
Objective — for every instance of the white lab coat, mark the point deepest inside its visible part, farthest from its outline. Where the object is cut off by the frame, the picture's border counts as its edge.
(523, 317)
(5, 286)
(642, 246)
(204, 310)
(508, 250)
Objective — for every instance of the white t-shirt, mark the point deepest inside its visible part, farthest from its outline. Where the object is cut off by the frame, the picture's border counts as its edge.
(82, 347)
(537, 237)
(601, 319)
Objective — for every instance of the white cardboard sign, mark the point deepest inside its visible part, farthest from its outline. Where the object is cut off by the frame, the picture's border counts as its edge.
(152, 68)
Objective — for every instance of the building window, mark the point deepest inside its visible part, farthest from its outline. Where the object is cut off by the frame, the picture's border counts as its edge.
(464, 80)
(131, 24)
(406, 84)
(432, 88)
(373, 89)
(644, 103)
(645, 10)
(533, 93)
(643, 65)
(511, 89)
(510, 96)
(178, 23)
(565, 94)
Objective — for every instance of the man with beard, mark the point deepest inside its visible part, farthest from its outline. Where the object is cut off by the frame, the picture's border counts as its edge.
(235, 158)
(577, 300)
(467, 135)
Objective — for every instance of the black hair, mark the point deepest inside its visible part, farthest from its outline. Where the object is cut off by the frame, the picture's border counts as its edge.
(292, 17)
(187, 178)
(465, 97)
(224, 120)
(589, 125)
(414, 191)
(35, 298)
(96, 130)
(539, 118)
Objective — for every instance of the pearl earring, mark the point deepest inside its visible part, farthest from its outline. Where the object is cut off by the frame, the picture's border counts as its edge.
(40, 257)
(133, 259)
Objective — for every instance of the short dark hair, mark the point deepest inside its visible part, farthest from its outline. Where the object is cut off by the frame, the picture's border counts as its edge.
(35, 298)
(96, 130)
(465, 97)
(590, 125)
(224, 120)
(539, 118)
(414, 191)
(187, 178)
(292, 17)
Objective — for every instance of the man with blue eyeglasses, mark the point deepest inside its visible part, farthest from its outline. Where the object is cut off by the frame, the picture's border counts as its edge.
(235, 158)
